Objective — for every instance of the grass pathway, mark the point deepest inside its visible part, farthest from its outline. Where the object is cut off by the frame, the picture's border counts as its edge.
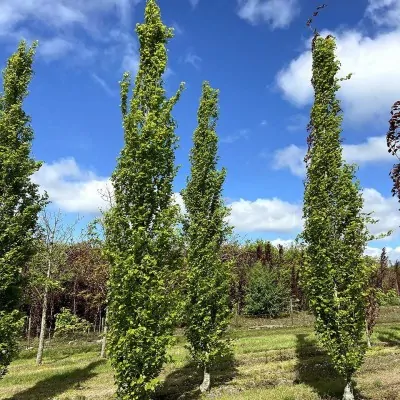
(282, 364)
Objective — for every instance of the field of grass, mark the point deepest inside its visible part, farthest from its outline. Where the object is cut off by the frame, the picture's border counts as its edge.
(270, 362)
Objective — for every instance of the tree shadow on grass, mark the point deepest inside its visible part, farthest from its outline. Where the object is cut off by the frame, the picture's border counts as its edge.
(57, 384)
(184, 382)
(390, 337)
(315, 370)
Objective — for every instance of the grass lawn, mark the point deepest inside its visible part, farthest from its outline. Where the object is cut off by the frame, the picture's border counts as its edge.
(269, 363)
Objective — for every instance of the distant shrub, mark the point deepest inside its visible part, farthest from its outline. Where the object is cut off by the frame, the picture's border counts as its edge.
(265, 296)
(390, 298)
(69, 325)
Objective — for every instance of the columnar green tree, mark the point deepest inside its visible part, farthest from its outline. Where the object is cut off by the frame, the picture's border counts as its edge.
(20, 201)
(207, 308)
(334, 273)
(140, 227)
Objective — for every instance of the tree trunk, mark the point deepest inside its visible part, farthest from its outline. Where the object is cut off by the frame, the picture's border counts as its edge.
(42, 328)
(29, 328)
(74, 302)
(51, 317)
(348, 392)
(104, 341)
(205, 386)
(39, 356)
(367, 333)
(100, 319)
(291, 310)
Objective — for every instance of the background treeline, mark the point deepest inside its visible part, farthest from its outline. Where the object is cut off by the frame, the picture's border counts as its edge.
(265, 281)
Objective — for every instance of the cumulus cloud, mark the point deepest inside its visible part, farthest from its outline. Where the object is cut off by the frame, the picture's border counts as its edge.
(277, 13)
(372, 89)
(386, 210)
(392, 252)
(75, 189)
(373, 150)
(70, 187)
(265, 215)
(384, 12)
(56, 24)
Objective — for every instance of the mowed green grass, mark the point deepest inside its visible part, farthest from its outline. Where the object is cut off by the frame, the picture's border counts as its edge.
(268, 363)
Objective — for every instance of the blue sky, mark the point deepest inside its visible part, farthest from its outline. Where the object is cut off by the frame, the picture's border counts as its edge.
(257, 52)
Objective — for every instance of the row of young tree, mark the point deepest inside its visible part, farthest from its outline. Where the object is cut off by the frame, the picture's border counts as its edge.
(164, 268)
(264, 280)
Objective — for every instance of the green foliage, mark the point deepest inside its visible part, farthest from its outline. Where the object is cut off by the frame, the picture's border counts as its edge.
(207, 309)
(142, 243)
(69, 325)
(335, 273)
(11, 325)
(266, 295)
(389, 298)
(20, 201)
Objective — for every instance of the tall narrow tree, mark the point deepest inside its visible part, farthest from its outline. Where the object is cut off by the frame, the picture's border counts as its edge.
(207, 308)
(335, 234)
(140, 227)
(20, 201)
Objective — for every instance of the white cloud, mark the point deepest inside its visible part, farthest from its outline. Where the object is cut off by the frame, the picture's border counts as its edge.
(130, 61)
(194, 3)
(386, 209)
(384, 12)
(62, 13)
(71, 188)
(291, 157)
(179, 200)
(265, 215)
(193, 59)
(243, 133)
(373, 150)
(392, 253)
(103, 84)
(178, 29)
(55, 48)
(57, 23)
(277, 13)
(74, 189)
(168, 72)
(372, 89)
(282, 242)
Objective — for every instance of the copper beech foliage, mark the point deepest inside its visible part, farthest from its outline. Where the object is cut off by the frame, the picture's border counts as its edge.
(393, 143)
